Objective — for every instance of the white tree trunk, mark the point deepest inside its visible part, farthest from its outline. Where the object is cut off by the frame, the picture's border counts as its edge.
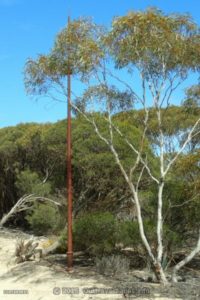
(187, 259)
(158, 270)
(160, 223)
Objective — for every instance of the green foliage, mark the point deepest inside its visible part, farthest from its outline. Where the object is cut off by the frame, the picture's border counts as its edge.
(127, 233)
(77, 46)
(23, 167)
(95, 233)
(99, 234)
(152, 40)
(28, 182)
(183, 190)
(75, 50)
(192, 100)
(93, 159)
(44, 219)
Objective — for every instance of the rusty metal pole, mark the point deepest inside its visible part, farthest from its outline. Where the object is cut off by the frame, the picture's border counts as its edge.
(69, 173)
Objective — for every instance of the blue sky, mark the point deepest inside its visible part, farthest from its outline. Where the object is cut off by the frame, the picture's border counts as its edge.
(28, 27)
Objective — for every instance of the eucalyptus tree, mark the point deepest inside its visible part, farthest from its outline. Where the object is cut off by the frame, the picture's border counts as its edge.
(75, 50)
(162, 51)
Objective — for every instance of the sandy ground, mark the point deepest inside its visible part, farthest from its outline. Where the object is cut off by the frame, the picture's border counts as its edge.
(42, 280)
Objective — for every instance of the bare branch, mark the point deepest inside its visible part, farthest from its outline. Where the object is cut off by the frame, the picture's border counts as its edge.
(125, 84)
(23, 204)
(136, 152)
(139, 178)
(188, 139)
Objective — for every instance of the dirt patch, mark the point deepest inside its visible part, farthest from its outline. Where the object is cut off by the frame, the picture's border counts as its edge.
(48, 279)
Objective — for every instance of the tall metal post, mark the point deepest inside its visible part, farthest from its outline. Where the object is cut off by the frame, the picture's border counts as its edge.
(69, 172)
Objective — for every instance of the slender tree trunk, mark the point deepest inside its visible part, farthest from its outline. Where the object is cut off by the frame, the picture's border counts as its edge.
(157, 267)
(187, 259)
(159, 273)
(160, 223)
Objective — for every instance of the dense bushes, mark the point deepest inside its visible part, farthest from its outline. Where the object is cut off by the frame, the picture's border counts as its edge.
(94, 233)
(127, 234)
(44, 218)
(28, 182)
(32, 153)
(33, 160)
(101, 234)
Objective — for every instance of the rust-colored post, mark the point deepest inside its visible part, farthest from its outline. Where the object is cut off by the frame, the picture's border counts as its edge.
(69, 173)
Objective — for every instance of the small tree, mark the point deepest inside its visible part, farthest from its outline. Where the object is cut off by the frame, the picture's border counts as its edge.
(28, 182)
(162, 50)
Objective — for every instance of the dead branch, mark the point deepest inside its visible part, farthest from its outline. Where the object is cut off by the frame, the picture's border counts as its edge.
(23, 204)
(187, 259)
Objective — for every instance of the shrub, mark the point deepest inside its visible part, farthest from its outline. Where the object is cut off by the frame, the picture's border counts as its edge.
(28, 182)
(63, 241)
(44, 218)
(100, 234)
(112, 265)
(127, 233)
(94, 233)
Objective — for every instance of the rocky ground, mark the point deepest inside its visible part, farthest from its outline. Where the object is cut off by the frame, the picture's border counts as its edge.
(48, 279)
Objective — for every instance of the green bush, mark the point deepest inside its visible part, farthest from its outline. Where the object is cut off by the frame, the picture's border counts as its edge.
(127, 233)
(44, 218)
(28, 182)
(63, 241)
(94, 233)
(99, 233)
